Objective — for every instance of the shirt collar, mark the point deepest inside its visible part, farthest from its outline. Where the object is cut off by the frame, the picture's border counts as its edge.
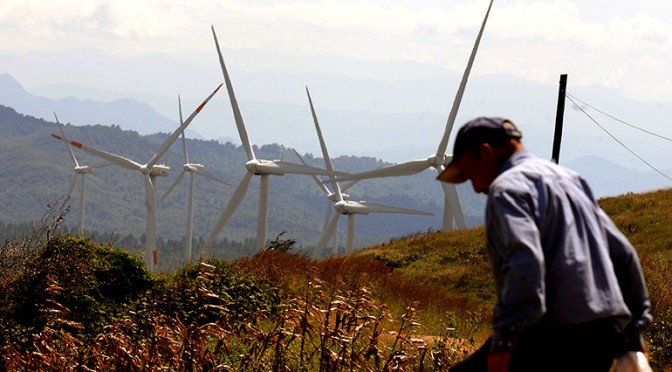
(516, 159)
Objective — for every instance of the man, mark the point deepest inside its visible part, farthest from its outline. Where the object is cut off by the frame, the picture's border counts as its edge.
(571, 294)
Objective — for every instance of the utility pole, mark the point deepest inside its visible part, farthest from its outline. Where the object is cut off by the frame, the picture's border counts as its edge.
(559, 116)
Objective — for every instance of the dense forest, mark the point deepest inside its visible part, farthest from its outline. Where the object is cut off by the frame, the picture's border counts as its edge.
(37, 172)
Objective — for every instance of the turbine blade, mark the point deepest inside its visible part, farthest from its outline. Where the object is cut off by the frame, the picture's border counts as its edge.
(100, 165)
(381, 208)
(326, 236)
(460, 91)
(184, 137)
(317, 180)
(349, 185)
(327, 216)
(238, 117)
(235, 200)
(211, 176)
(169, 142)
(283, 167)
(150, 192)
(72, 184)
(402, 169)
(112, 158)
(452, 207)
(172, 186)
(323, 146)
(72, 154)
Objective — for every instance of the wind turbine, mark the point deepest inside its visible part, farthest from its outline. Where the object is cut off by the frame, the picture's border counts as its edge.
(192, 169)
(254, 166)
(80, 172)
(343, 206)
(331, 200)
(150, 171)
(452, 210)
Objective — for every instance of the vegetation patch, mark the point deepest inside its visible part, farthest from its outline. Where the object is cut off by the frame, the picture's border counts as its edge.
(67, 303)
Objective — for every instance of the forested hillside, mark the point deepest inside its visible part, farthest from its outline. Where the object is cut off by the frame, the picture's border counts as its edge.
(36, 171)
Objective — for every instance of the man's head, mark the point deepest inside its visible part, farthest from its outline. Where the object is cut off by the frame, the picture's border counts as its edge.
(481, 148)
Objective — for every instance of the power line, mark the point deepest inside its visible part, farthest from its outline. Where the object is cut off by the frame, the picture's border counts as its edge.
(616, 139)
(617, 119)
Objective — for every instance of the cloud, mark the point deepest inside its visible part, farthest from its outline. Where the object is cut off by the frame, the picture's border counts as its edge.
(625, 45)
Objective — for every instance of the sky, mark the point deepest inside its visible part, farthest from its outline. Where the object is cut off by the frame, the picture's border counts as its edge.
(622, 44)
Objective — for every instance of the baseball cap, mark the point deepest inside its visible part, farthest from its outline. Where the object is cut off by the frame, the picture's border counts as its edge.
(492, 130)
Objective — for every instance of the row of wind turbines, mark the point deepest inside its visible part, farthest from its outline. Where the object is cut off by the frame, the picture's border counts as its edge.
(339, 202)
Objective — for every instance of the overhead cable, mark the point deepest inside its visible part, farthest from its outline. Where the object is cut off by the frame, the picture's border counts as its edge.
(617, 119)
(614, 138)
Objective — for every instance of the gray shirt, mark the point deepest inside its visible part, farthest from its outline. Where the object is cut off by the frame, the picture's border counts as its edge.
(557, 258)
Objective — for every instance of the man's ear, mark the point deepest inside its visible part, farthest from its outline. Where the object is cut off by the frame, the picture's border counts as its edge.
(486, 150)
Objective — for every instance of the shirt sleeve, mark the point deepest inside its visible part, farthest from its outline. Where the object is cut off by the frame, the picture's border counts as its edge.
(631, 281)
(518, 265)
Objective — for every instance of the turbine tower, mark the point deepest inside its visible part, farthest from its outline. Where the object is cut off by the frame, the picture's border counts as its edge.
(254, 166)
(343, 206)
(80, 172)
(150, 171)
(192, 169)
(452, 212)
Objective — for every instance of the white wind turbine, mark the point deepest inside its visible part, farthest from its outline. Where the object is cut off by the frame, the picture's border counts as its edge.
(192, 169)
(254, 166)
(332, 198)
(452, 210)
(80, 172)
(150, 171)
(343, 206)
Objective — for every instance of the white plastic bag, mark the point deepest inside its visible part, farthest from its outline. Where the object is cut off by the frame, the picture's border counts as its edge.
(633, 361)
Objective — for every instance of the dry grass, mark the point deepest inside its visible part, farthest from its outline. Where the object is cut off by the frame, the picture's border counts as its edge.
(421, 302)
(331, 328)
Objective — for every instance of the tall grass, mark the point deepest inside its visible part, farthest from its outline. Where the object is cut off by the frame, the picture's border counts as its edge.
(327, 327)
(421, 302)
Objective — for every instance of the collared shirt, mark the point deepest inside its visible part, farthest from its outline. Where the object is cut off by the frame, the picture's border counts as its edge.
(557, 258)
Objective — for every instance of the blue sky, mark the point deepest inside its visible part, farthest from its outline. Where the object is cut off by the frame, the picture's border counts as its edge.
(622, 44)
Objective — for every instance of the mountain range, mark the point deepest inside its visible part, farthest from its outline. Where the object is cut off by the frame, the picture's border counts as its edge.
(403, 105)
(37, 171)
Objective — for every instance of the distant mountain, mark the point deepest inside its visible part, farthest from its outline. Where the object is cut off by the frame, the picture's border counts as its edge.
(128, 113)
(613, 179)
(394, 111)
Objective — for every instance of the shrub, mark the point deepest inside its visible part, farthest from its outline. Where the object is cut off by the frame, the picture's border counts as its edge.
(95, 281)
(233, 293)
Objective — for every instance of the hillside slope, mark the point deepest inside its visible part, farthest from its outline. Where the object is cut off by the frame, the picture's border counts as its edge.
(37, 171)
(458, 260)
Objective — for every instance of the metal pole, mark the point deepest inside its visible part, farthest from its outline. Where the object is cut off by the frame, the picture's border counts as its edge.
(559, 116)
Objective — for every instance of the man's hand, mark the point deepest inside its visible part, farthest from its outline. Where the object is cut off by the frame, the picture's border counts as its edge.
(499, 361)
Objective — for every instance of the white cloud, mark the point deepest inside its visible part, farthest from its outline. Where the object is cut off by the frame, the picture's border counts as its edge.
(624, 45)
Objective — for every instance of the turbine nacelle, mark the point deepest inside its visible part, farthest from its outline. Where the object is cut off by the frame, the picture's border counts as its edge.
(193, 167)
(83, 169)
(259, 167)
(158, 170)
(351, 207)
